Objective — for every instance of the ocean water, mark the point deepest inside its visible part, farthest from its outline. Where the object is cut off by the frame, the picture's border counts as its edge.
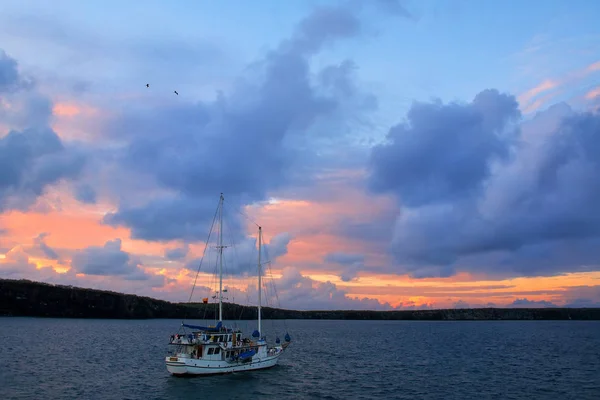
(116, 359)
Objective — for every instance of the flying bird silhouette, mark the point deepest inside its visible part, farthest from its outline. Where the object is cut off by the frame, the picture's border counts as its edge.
(176, 92)
(147, 85)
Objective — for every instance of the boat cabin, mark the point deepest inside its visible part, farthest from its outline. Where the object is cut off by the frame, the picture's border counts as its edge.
(223, 345)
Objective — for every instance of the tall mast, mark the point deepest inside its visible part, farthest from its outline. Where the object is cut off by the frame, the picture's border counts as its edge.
(221, 259)
(259, 279)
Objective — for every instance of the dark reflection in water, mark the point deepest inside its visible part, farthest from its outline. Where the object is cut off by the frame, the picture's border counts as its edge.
(110, 359)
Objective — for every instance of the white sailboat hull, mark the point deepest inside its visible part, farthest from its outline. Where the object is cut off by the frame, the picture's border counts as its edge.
(191, 366)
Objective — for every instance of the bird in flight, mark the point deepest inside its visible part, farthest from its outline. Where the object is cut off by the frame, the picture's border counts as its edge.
(176, 92)
(147, 85)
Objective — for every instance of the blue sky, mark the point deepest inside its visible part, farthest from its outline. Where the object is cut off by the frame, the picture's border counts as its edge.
(450, 50)
(489, 179)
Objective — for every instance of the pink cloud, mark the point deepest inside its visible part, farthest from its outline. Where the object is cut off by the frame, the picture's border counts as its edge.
(533, 92)
(593, 67)
(530, 100)
(592, 94)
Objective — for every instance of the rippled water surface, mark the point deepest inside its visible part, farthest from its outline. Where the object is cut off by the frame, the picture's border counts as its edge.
(110, 359)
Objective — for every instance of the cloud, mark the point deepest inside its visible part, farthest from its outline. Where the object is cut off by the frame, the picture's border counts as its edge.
(260, 137)
(593, 94)
(30, 161)
(9, 75)
(85, 194)
(344, 258)
(105, 54)
(303, 293)
(525, 303)
(583, 303)
(444, 152)
(46, 250)
(540, 95)
(169, 217)
(241, 258)
(394, 7)
(582, 296)
(178, 253)
(33, 158)
(17, 264)
(108, 260)
(351, 263)
(484, 191)
(461, 304)
(525, 98)
(277, 247)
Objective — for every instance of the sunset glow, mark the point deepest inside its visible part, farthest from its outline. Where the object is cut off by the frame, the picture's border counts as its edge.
(384, 174)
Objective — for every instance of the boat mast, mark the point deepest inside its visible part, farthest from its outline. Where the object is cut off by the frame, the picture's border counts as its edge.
(221, 259)
(259, 279)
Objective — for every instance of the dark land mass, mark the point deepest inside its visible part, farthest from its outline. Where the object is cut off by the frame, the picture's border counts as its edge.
(36, 299)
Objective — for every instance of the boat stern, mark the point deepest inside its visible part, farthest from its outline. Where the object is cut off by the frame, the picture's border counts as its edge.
(176, 365)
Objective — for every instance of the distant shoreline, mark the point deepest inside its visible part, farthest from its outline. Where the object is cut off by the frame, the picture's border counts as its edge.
(24, 298)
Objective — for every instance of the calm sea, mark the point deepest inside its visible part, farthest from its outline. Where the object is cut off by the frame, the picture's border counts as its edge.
(114, 359)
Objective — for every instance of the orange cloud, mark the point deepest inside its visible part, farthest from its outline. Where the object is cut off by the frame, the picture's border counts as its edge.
(444, 292)
(65, 230)
(313, 224)
(77, 121)
(71, 225)
(71, 110)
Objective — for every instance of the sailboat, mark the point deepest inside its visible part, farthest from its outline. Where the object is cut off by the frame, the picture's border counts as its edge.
(218, 349)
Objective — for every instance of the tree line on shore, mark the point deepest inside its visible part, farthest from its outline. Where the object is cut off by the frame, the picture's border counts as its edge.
(38, 299)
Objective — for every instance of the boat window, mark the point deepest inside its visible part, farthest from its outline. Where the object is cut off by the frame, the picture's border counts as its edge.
(217, 350)
(210, 351)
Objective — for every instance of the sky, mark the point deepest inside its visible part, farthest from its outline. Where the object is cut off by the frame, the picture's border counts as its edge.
(397, 154)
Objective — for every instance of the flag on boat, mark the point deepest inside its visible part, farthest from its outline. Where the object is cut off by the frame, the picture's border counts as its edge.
(205, 300)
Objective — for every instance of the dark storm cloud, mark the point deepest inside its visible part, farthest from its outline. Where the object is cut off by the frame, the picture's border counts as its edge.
(244, 144)
(479, 195)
